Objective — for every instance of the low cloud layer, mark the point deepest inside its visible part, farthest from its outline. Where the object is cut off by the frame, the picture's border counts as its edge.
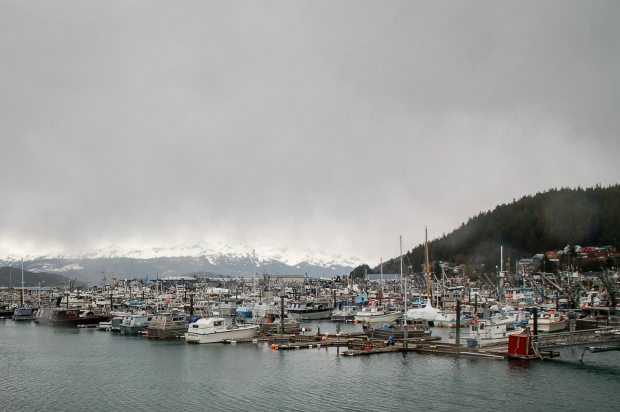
(327, 126)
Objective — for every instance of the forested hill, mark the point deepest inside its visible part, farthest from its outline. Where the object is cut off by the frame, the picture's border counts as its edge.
(533, 224)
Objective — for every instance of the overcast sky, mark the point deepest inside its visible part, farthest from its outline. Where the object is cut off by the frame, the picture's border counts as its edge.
(331, 126)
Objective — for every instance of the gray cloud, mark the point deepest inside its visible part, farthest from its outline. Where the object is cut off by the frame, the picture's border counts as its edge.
(316, 125)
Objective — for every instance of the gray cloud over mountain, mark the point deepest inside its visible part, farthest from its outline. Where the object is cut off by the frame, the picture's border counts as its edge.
(319, 125)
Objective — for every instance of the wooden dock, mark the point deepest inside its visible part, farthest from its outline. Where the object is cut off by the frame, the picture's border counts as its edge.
(424, 347)
(359, 345)
(311, 345)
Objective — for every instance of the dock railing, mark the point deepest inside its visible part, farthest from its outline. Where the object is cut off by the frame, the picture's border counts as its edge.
(583, 337)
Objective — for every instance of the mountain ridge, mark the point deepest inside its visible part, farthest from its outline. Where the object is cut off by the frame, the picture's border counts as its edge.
(534, 224)
(94, 266)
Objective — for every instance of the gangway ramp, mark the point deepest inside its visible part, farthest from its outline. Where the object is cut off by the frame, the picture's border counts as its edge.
(578, 338)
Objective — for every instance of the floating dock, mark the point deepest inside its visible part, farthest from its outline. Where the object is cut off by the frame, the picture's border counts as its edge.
(423, 347)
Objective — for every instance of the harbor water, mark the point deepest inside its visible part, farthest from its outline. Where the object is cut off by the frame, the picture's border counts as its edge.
(47, 368)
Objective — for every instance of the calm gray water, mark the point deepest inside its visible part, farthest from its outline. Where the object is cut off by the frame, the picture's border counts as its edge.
(45, 368)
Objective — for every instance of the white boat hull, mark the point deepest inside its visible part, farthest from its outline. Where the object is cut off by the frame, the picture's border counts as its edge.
(381, 318)
(246, 332)
(551, 326)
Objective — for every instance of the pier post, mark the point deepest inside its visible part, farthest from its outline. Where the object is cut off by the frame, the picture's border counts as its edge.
(476, 304)
(535, 321)
(281, 314)
(191, 304)
(458, 325)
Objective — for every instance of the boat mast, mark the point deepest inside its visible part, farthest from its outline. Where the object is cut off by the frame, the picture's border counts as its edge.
(405, 293)
(22, 294)
(502, 275)
(11, 283)
(401, 266)
(427, 267)
(254, 271)
(381, 265)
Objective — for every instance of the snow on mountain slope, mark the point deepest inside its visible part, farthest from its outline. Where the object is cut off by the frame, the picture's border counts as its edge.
(128, 260)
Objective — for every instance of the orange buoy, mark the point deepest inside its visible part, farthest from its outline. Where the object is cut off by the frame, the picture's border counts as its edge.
(274, 346)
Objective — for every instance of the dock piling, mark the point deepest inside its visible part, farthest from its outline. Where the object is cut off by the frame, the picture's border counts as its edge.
(458, 324)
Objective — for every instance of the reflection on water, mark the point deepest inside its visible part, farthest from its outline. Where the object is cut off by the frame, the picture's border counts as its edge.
(47, 368)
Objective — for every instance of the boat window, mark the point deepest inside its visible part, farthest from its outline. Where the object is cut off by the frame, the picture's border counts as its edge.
(217, 323)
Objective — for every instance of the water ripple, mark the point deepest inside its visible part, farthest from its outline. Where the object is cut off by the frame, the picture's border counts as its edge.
(44, 368)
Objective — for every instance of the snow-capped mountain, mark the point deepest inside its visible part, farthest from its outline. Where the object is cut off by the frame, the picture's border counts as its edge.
(153, 261)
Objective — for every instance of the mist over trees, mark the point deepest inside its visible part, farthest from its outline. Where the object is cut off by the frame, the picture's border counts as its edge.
(540, 223)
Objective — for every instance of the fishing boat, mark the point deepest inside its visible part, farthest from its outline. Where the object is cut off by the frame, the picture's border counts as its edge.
(550, 321)
(113, 325)
(75, 317)
(134, 324)
(521, 317)
(310, 310)
(245, 310)
(43, 315)
(215, 329)
(272, 323)
(484, 333)
(225, 307)
(345, 313)
(447, 319)
(592, 317)
(6, 312)
(425, 311)
(396, 331)
(167, 326)
(23, 314)
(376, 314)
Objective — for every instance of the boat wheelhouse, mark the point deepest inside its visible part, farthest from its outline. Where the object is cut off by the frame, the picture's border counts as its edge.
(310, 310)
(167, 326)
